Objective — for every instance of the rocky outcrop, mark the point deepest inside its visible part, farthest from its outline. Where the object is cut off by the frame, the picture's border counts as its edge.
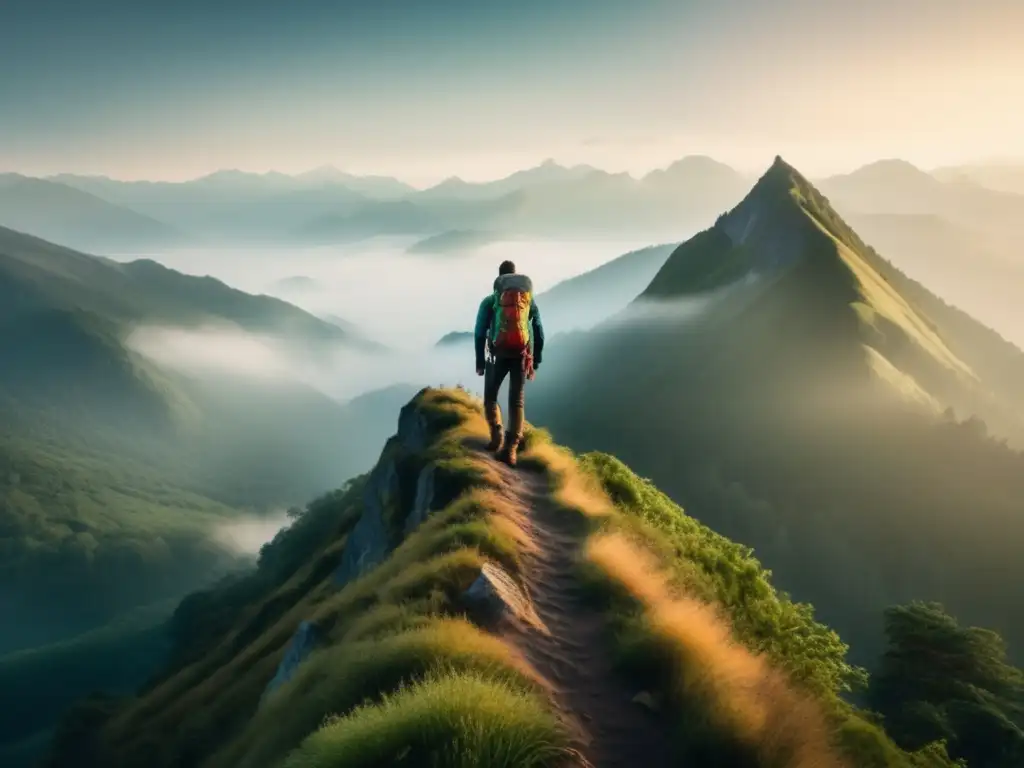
(372, 537)
(423, 505)
(495, 595)
(370, 540)
(302, 644)
(413, 431)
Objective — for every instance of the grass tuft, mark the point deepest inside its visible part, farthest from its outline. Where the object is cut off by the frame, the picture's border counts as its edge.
(454, 720)
(334, 681)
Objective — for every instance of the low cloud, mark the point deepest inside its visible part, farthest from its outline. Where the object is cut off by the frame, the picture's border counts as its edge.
(336, 370)
(246, 535)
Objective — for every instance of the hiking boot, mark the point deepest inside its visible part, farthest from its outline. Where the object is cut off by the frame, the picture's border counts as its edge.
(508, 453)
(496, 442)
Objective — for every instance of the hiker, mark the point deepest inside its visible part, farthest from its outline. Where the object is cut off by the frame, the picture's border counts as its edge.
(503, 326)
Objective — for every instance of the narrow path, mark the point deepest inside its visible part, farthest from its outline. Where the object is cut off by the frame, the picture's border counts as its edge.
(610, 729)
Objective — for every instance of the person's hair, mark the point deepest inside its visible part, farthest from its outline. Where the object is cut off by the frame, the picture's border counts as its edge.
(507, 268)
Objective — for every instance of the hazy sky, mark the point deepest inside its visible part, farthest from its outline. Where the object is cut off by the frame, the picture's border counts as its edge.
(427, 88)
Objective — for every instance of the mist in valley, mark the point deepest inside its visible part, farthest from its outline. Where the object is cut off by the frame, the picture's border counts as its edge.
(246, 535)
(400, 299)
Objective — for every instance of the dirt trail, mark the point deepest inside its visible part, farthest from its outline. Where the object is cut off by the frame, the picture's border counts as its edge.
(573, 656)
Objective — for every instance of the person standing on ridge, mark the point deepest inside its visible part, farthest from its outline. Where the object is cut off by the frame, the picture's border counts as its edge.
(504, 323)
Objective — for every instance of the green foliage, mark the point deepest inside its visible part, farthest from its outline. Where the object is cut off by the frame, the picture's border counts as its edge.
(74, 525)
(205, 618)
(727, 573)
(939, 680)
(27, 752)
(871, 747)
(38, 685)
(689, 270)
(764, 620)
(456, 721)
(326, 518)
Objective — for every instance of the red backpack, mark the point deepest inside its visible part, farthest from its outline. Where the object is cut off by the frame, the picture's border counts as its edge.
(513, 297)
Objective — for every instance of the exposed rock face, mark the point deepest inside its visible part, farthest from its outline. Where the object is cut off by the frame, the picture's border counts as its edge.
(413, 432)
(370, 540)
(423, 505)
(302, 643)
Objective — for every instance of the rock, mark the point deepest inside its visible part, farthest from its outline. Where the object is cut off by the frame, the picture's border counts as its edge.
(369, 541)
(423, 505)
(413, 433)
(495, 593)
(302, 643)
(647, 701)
(371, 537)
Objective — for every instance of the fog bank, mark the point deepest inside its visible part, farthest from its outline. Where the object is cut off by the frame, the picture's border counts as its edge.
(400, 299)
(246, 535)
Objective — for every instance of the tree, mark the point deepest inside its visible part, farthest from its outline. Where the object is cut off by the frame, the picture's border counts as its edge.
(941, 681)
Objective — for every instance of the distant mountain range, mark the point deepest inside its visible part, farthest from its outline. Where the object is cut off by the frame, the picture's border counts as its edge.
(66, 214)
(1003, 177)
(550, 200)
(329, 205)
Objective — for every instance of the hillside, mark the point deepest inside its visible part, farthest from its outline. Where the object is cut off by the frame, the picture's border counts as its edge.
(583, 301)
(981, 274)
(78, 219)
(38, 274)
(455, 338)
(800, 395)
(69, 323)
(116, 472)
(454, 241)
(445, 610)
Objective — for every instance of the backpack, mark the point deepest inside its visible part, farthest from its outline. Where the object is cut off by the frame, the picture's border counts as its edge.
(513, 298)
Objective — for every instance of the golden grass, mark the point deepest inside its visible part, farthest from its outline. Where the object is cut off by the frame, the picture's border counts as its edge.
(882, 298)
(337, 679)
(571, 488)
(746, 706)
(453, 720)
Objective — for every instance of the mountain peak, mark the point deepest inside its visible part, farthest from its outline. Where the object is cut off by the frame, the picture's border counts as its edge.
(776, 183)
(323, 173)
(893, 171)
(702, 162)
(778, 223)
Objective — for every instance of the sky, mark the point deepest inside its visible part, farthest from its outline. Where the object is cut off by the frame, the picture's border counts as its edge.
(480, 88)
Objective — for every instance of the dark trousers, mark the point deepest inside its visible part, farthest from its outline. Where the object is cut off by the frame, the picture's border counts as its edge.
(494, 374)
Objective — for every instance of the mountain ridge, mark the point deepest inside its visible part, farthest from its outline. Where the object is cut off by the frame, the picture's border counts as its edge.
(465, 596)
